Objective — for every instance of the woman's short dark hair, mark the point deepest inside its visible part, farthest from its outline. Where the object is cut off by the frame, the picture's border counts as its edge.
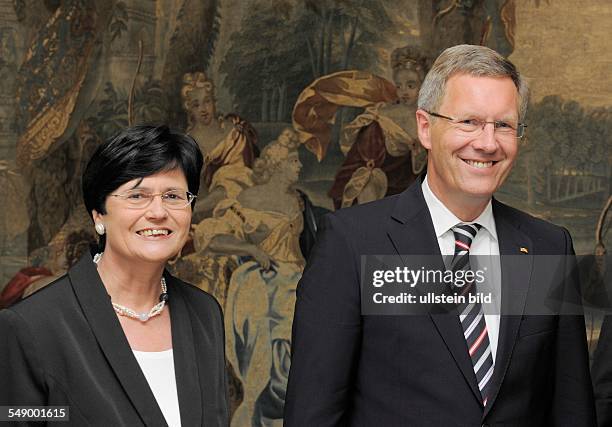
(138, 152)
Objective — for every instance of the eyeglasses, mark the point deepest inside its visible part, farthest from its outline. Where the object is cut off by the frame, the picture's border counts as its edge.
(474, 127)
(173, 199)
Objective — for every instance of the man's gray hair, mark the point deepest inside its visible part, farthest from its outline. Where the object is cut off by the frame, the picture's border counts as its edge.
(473, 60)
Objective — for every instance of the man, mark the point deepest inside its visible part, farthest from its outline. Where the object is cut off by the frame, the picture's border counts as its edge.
(432, 369)
(602, 374)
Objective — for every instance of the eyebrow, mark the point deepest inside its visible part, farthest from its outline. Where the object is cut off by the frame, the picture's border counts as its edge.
(504, 118)
(150, 190)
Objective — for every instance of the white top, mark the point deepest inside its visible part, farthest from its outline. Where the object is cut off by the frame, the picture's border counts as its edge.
(158, 369)
(485, 243)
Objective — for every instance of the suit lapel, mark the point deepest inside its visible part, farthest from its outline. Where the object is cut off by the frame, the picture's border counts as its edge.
(411, 232)
(516, 268)
(96, 305)
(185, 362)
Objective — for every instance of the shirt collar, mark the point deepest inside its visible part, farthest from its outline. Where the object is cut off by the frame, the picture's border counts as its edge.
(443, 219)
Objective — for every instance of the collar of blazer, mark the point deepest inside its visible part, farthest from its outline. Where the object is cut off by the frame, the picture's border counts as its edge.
(96, 305)
(410, 217)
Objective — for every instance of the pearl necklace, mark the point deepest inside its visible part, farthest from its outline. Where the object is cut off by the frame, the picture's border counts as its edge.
(144, 316)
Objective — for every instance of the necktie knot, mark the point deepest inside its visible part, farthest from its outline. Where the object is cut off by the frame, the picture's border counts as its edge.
(464, 235)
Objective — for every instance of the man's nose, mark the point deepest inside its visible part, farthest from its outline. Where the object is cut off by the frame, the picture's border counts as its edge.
(486, 141)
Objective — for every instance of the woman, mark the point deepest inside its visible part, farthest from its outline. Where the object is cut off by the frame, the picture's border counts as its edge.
(118, 339)
(229, 144)
(262, 228)
(383, 155)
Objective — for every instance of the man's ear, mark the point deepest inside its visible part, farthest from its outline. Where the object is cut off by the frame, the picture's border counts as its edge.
(424, 128)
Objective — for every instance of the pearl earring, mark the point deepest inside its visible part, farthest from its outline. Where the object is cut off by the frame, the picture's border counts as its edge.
(100, 228)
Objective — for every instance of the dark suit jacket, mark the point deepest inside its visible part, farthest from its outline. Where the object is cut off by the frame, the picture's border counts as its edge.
(602, 374)
(351, 369)
(63, 345)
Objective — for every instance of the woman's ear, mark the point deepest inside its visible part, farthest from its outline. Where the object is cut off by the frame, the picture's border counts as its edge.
(98, 222)
(97, 216)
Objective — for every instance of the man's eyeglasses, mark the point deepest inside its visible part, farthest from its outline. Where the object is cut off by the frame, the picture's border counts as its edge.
(474, 127)
(173, 199)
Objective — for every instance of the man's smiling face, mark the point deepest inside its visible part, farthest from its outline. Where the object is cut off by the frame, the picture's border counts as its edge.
(471, 168)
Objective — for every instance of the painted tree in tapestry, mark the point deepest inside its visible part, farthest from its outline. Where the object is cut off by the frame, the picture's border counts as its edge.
(283, 46)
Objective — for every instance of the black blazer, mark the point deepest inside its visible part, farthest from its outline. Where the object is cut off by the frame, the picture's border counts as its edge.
(356, 370)
(602, 374)
(64, 345)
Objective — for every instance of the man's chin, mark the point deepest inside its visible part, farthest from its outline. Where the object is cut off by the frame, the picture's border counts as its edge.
(479, 192)
(481, 197)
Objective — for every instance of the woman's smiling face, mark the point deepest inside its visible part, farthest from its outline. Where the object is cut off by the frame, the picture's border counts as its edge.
(154, 233)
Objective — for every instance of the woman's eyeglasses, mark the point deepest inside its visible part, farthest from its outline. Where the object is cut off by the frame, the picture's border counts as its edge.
(173, 199)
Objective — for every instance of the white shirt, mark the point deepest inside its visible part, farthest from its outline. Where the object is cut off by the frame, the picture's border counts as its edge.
(485, 243)
(158, 369)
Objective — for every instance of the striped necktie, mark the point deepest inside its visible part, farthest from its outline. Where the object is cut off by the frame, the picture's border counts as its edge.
(471, 314)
